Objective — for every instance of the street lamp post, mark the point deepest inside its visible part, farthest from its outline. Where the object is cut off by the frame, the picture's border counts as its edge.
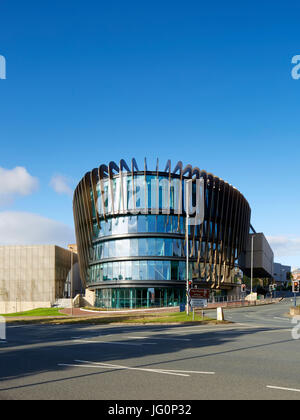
(71, 281)
(187, 262)
(187, 210)
(252, 240)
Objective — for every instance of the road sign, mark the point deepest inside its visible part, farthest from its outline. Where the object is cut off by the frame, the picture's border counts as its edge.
(199, 293)
(199, 303)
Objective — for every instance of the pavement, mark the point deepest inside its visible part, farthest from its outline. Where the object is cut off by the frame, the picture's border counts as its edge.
(256, 358)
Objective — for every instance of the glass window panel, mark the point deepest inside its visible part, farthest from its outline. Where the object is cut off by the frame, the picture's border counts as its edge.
(100, 251)
(140, 192)
(143, 274)
(151, 270)
(134, 250)
(135, 270)
(160, 247)
(152, 224)
(109, 271)
(132, 224)
(169, 220)
(181, 274)
(176, 248)
(117, 196)
(142, 224)
(143, 247)
(152, 192)
(168, 247)
(115, 225)
(148, 180)
(104, 272)
(160, 225)
(111, 249)
(174, 270)
(166, 270)
(123, 225)
(159, 270)
(128, 270)
(129, 189)
(105, 250)
(151, 246)
(109, 227)
(116, 270)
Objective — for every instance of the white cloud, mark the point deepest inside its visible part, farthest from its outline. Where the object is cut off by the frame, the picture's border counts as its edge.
(60, 184)
(21, 228)
(16, 182)
(285, 246)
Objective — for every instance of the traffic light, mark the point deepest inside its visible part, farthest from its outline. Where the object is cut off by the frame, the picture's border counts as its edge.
(243, 288)
(296, 287)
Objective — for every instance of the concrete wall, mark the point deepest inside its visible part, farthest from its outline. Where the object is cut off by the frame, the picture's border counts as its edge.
(89, 299)
(32, 276)
(263, 257)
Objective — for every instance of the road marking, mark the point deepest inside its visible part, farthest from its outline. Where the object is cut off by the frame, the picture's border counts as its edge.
(283, 389)
(281, 319)
(86, 364)
(170, 371)
(162, 338)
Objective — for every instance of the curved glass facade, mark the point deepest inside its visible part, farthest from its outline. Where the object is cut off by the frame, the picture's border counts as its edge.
(130, 230)
(130, 224)
(142, 247)
(139, 270)
(139, 297)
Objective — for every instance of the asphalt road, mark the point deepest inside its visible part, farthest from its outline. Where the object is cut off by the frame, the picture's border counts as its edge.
(255, 358)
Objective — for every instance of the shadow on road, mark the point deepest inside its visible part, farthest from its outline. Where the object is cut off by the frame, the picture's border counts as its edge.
(40, 349)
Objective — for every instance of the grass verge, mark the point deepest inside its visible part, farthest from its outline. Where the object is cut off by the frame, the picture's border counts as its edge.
(40, 312)
(136, 319)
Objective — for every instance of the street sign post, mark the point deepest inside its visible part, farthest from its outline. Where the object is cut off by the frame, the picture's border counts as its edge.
(199, 303)
(199, 293)
(199, 299)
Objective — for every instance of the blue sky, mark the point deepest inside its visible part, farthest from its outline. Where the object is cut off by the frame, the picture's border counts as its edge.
(206, 83)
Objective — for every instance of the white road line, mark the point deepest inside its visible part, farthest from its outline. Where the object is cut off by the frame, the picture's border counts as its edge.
(108, 365)
(162, 338)
(191, 371)
(281, 319)
(283, 389)
(117, 367)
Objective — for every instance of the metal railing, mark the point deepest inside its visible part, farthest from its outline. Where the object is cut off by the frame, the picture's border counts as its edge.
(144, 303)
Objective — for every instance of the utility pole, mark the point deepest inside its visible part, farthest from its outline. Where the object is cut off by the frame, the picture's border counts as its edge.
(71, 281)
(187, 262)
(187, 215)
(252, 247)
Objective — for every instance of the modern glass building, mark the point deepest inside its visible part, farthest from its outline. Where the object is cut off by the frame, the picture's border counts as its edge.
(131, 233)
